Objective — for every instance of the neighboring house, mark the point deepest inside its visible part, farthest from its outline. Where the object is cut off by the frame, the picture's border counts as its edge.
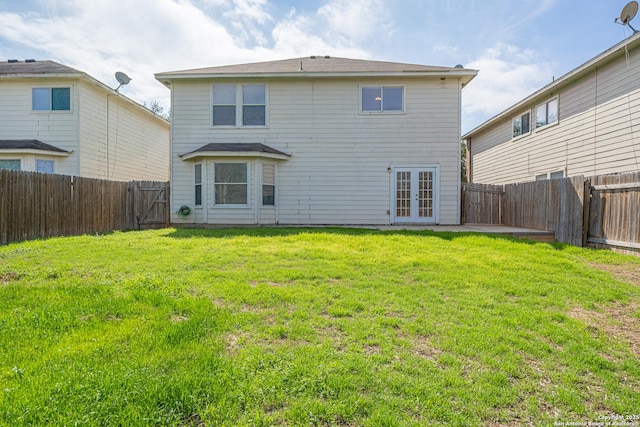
(587, 122)
(316, 140)
(56, 119)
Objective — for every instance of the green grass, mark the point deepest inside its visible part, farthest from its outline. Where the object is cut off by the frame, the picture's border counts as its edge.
(320, 327)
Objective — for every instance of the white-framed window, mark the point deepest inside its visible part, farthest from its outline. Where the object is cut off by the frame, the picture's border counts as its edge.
(231, 184)
(550, 175)
(51, 99)
(547, 113)
(44, 166)
(254, 105)
(521, 125)
(197, 180)
(268, 184)
(381, 99)
(11, 164)
(250, 111)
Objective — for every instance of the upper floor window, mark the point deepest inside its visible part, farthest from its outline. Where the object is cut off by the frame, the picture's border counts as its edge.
(521, 125)
(382, 99)
(547, 113)
(251, 111)
(51, 99)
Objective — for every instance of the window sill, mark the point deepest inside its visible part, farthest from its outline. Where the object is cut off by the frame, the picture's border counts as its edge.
(227, 127)
(519, 137)
(381, 113)
(550, 125)
(230, 206)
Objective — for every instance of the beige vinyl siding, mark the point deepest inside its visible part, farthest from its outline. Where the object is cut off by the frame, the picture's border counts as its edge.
(598, 131)
(134, 147)
(58, 128)
(338, 172)
(139, 141)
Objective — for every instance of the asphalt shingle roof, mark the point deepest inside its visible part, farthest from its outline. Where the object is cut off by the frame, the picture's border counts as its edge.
(35, 67)
(28, 144)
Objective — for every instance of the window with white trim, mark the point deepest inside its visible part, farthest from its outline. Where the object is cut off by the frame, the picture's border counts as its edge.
(550, 175)
(44, 166)
(51, 99)
(268, 184)
(382, 99)
(10, 164)
(231, 183)
(197, 172)
(250, 111)
(547, 113)
(521, 125)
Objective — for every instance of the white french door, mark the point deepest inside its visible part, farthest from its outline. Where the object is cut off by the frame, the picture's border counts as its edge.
(415, 195)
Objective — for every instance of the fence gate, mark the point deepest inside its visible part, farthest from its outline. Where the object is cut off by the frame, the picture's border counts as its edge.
(148, 205)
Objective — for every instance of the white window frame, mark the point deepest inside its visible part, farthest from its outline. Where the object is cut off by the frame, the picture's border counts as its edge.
(543, 176)
(213, 186)
(49, 110)
(546, 105)
(20, 162)
(196, 184)
(382, 110)
(53, 165)
(239, 106)
(523, 134)
(274, 185)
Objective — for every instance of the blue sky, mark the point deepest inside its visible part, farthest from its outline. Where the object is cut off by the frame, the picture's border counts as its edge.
(517, 46)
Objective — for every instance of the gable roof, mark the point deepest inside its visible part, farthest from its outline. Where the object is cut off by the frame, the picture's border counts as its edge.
(610, 54)
(30, 66)
(30, 146)
(231, 149)
(316, 67)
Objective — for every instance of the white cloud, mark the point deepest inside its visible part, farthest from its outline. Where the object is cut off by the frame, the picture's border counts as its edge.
(144, 37)
(507, 74)
(357, 20)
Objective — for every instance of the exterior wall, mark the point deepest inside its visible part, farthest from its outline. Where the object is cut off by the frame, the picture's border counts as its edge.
(339, 170)
(135, 146)
(138, 141)
(597, 131)
(58, 128)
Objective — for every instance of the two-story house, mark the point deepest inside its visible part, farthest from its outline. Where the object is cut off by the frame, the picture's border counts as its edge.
(56, 119)
(583, 123)
(316, 140)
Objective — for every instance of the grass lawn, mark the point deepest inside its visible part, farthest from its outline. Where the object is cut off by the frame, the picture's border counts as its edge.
(315, 327)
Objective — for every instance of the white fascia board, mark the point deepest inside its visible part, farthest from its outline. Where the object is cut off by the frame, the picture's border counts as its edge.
(252, 154)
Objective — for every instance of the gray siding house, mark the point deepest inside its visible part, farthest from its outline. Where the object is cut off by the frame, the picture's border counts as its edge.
(316, 140)
(587, 122)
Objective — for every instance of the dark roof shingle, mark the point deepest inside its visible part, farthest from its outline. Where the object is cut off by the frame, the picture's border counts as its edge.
(240, 147)
(36, 67)
(28, 144)
(319, 64)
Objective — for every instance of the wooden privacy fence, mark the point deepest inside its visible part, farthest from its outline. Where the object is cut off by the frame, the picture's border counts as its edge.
(35, 205)
(600, 211)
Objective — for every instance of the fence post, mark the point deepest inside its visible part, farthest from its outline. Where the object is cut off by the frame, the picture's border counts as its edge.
(586, 211)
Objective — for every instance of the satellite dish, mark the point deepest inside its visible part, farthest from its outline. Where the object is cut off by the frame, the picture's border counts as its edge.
(628, 13)
(122, 78)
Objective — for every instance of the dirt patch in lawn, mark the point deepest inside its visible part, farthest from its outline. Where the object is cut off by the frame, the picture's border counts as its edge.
(617, 320)
(629, 273)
